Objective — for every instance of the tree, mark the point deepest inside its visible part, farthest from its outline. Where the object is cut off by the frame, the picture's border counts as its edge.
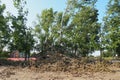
(59, 31)
(75, 30)
(50, 29)
(4, 28)
(84, 26)
(112, 26)
(43, 29)
(29, 42)
(21, 36)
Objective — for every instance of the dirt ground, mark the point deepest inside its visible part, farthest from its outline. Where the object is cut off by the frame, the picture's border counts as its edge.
(60, 67)
(17, 73)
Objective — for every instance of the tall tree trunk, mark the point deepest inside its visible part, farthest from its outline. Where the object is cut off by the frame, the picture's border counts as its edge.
(101, 54)
(25, 56)
(28, 54)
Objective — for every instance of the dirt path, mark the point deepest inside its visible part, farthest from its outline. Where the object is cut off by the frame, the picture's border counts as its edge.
(2, 68)
(10, 73)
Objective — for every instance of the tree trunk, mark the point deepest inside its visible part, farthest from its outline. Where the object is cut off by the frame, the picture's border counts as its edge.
(101, 54)
(25, 56)
(28, 54)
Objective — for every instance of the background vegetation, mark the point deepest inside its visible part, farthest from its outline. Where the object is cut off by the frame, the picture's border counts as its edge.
(75, 31)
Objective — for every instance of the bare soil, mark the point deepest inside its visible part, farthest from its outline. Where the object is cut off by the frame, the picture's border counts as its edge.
(16, 73)
(61, 67)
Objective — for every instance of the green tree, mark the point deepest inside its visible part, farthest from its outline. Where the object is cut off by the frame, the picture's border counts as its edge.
(4, 28)
(43, 29)
(29, 42)
(84, 26)
(74, 30)
(59, 31)
(21, 36)
(50, 29)
(112, 26)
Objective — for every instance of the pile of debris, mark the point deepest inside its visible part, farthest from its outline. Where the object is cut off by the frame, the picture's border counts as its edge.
(61, 62)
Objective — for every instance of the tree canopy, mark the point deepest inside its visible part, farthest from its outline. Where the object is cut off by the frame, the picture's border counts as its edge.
(74, 31)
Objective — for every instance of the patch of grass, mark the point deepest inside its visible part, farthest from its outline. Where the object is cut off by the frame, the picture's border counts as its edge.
(107, 58)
